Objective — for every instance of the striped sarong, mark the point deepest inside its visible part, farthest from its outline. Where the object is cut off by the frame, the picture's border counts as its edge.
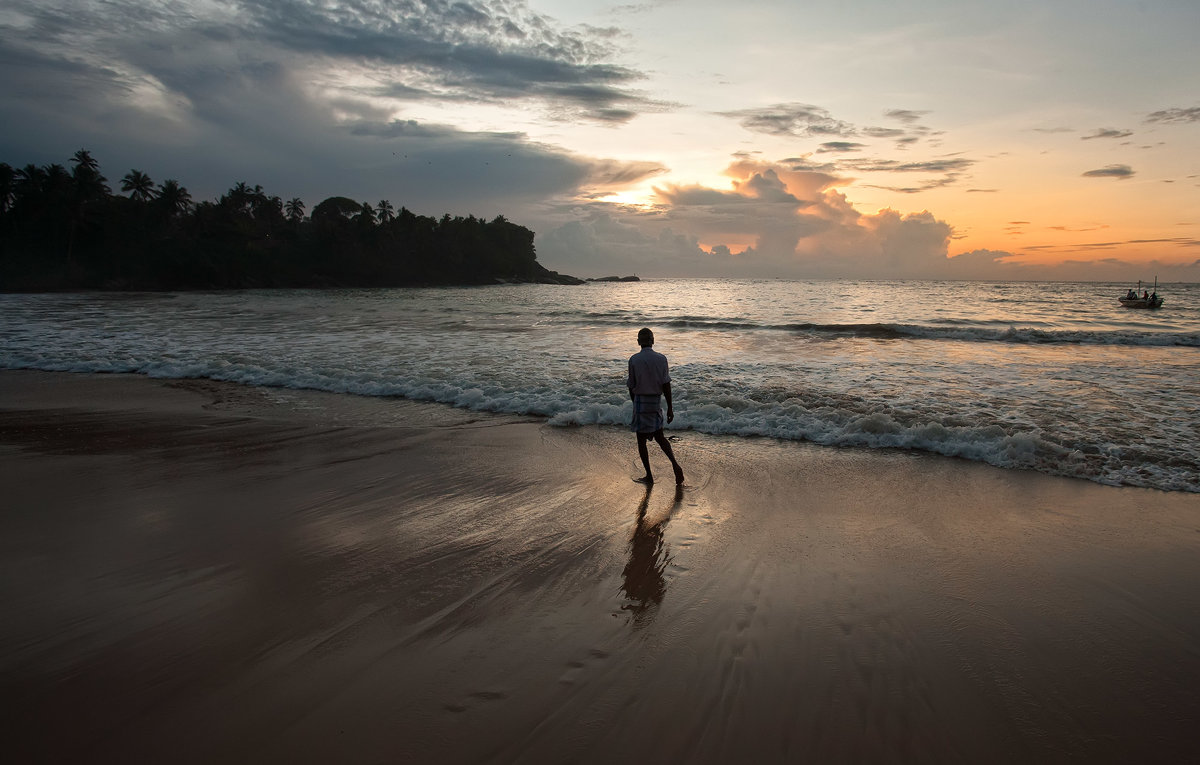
(647, 413)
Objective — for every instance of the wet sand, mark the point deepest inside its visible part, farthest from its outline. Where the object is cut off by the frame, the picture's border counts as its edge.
(200, 572)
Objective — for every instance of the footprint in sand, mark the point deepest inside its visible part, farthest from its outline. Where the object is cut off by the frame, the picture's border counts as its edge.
(478, 696)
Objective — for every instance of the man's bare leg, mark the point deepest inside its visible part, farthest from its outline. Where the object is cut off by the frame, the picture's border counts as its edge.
(665, 445)
(645, 455)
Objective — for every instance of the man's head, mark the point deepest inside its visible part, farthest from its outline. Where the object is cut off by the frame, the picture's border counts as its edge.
(645, 337)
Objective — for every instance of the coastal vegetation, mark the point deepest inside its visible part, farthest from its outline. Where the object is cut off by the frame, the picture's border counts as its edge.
(64, 229)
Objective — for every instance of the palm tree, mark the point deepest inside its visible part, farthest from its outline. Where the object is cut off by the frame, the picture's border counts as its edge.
(56, 182)
(385, 210)
(139, 186)
(174, 198)
(83, 160)
(238, 197)
(265, 207)
(89, 183)
(8, 186)
(29, 181)
(367, 213)
(295, 210)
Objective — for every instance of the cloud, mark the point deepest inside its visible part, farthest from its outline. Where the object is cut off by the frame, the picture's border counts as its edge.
(1077, 230)
(803, 164)
(803, 120)
(1120, 172)
(878, 132)
(408, 50)
(771, 221)
(479, 51)
(792, 119)
(948, 165)
(313, 99)
(798, 120)
(1175, 115)
(907, 116)
(611, 173)
(777, 219)
(839, 147)
(1106, 133)
(948, 169)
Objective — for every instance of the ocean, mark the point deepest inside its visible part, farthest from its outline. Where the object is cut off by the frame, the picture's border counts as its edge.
(1054, 377)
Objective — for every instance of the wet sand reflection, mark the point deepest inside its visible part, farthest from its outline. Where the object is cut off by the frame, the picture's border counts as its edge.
(643, 582)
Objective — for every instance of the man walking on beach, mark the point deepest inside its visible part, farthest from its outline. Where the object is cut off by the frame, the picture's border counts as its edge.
(648, 381)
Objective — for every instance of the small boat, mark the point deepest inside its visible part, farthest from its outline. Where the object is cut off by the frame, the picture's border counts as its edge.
(1131, 299)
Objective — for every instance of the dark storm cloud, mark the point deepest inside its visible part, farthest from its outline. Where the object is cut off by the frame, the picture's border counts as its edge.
(1175, 115)
(497, 50)
(412, 129)
(412, 49)
(1120, 172)
(1106, 133)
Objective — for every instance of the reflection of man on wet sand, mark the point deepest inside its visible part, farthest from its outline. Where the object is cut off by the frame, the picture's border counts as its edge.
(648, 382)
(645, 583)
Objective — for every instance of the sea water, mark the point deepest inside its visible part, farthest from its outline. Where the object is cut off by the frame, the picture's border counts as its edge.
(1056, 377)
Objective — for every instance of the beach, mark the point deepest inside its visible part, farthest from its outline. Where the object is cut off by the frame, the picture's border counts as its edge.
(197, 571)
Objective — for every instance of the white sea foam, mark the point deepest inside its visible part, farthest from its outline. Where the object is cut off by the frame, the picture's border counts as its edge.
(1110, 400)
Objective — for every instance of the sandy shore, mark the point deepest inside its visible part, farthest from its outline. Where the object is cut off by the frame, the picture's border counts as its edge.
(198, 572)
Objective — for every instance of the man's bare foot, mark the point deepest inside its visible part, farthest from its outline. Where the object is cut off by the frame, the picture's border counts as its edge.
(678, 475)
(644, 479)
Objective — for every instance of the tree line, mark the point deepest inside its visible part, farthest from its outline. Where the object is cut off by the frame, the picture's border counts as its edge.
(65, 229)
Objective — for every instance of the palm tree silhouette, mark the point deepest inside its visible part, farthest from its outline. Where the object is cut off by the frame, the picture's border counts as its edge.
(385, 210)
(138, 185)
(238, 198)
(89, 183)
(367, 214)
(295, 209)
(28, 181)
(8, 186)
(83, 160)
(174, 198)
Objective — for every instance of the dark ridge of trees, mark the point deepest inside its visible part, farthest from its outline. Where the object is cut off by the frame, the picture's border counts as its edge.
(64, 229)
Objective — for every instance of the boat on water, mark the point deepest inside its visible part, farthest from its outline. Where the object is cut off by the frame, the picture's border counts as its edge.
(1133, 299)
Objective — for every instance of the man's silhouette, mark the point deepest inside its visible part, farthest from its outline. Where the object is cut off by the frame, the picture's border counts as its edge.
(648, 382)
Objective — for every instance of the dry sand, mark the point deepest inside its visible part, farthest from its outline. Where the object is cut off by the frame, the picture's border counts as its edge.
(199, 572)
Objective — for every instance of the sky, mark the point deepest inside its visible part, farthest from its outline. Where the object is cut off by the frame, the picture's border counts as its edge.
(1057, 139)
